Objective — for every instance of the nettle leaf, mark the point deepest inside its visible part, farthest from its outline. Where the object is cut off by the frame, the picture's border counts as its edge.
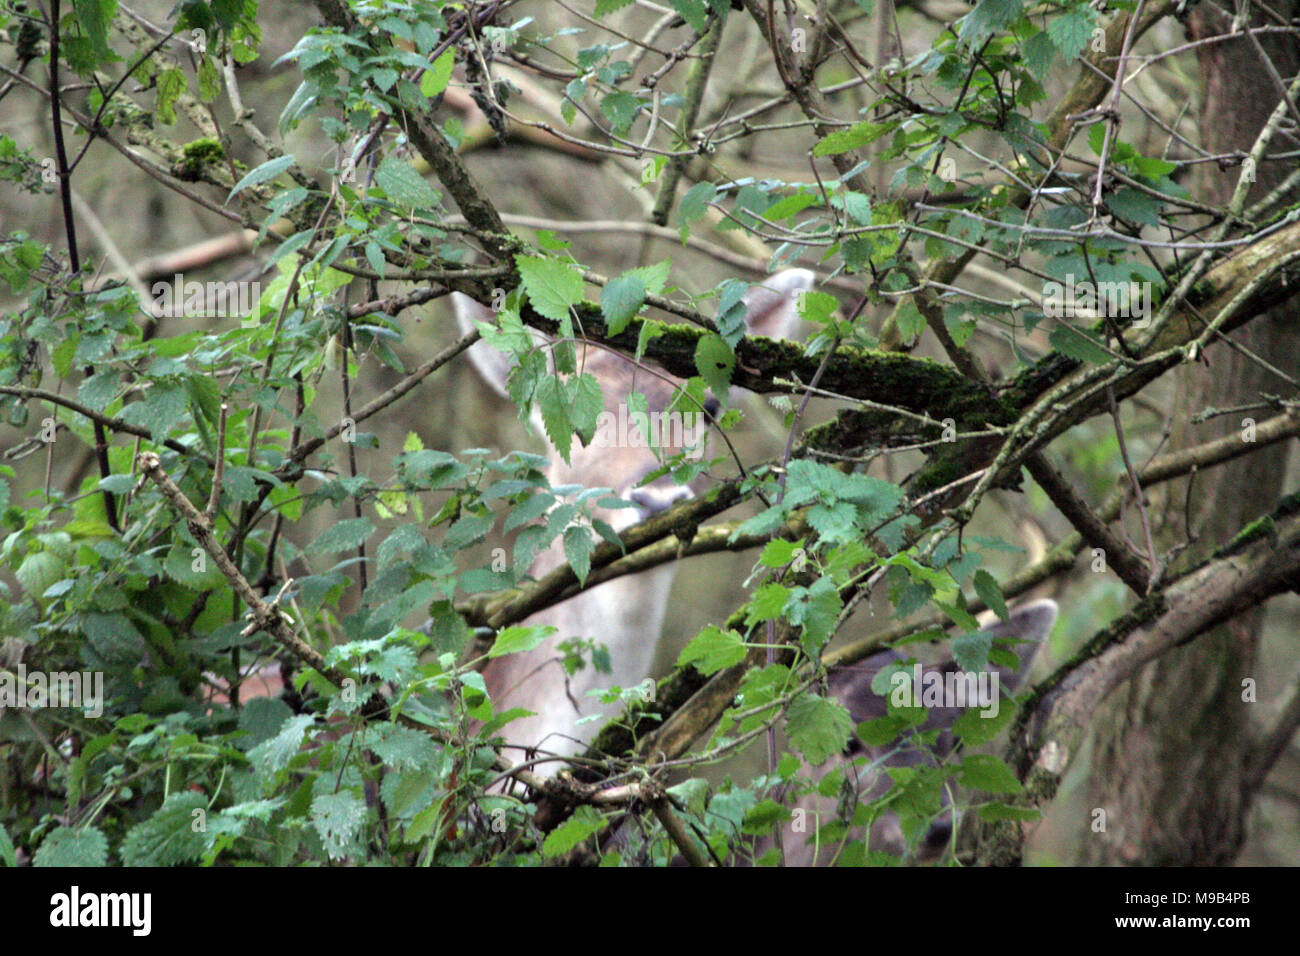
(404, 185)
(1039, 51)
(855, 136)
(584, 823)
(975, 728)
(988, 17)
(552, 402)
(168, 837)
(171, 86)
(552, 286)
(436, 78)
(988, 773)
(990, 592)
(971, 651)
(1072, 30)
(621, 300)
(995, 812)
(713, 649)
(1083, 345)
(342, 536)
(161, 410)
(513, 640)
(716, 362)
(338, 818)
(818, 727)
(267, 171)
(694, 12)
(693, 205)
(276, 753)
(578, 545)
(68, 846)
(588, 401)
(609, 6)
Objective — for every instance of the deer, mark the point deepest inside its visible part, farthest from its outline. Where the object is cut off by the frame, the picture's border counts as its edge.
(626, 613)
(866, 768)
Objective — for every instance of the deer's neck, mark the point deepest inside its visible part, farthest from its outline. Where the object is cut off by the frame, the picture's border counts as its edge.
(625, 614)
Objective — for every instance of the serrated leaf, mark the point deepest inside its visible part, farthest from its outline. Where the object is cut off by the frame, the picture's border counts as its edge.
(1072, 30)
(553, 404)
(513, 640)
(855, 136)
(268, 170)
(716, 362)
(1080, 344)
(578, 545)
(337, 818)
(819, 727)
(552, 286)
(341, 536)
(69, 846)
(621, 300)
(404, 185)
(990, 592)
(168, 837)
(587, 402)
(435, 79)
(713, 649)
(584, 823)
(988, 773)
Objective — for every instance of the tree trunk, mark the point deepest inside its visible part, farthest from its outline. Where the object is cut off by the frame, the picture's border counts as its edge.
(1169, 749)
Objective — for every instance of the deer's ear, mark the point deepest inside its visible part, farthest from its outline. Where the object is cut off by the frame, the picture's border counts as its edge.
(772, 304)
(493, 366)
(1029, 622)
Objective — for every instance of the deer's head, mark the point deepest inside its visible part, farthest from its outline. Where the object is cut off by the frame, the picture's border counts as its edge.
(867, 768)
(628, 445)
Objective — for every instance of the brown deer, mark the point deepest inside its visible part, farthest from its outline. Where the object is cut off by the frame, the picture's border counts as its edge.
(627, 613)
(866, 768)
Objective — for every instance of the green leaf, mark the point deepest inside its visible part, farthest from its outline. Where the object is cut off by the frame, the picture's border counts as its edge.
(67, 846)
(268, 170)
(855, 136)
(1039, 51)
(404, 185)
(971, 651)
(170, 86)
(694, 12)
(988, 773)
(584, 823)
(990, 592)
(716, 362)
(1080, 344)
(713, 649)
(1072, 30)
(8, 855)
(552, 286)
(160, 411)
(169, 836)
(337, 818)
(987, 18)
(818, 727)
(341, 536)
(435, 79)
(578, 545)
(995, 812)
(513, 640)
(552, 402)
(588, 401)
(621, 300)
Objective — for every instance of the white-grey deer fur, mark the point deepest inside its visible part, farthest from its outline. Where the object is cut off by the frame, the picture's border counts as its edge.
(627, 613)
(1030, 622)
